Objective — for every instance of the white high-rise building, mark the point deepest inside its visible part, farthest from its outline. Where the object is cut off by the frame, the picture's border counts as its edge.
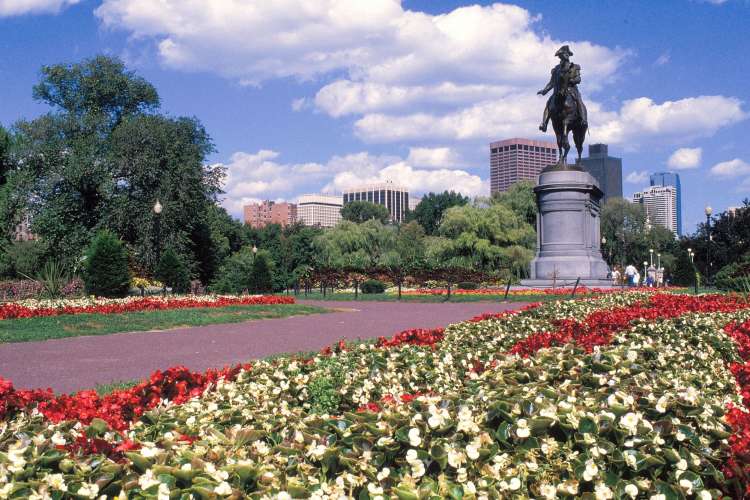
(394, 198)
(319, 210)
(660, 204)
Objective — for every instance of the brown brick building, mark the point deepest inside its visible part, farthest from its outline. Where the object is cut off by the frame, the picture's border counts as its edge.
(259, 215)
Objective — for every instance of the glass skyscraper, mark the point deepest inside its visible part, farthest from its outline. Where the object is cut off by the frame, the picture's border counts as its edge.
(671, 179)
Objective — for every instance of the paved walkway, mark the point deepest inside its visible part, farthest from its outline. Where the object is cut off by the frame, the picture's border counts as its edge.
(77, 363)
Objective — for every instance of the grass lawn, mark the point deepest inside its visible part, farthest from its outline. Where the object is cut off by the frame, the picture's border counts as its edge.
(56, 327)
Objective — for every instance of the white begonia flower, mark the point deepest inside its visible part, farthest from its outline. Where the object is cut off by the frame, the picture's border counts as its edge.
(472, 451)
(435, 421)
(414, 439)
(514, 484)
(631, 490)
(470, 487)
(455, 458)
(56, 482)
(630, 422)
(704, 495)
(163, 492)
(411, 455)
(522, 429)
(661, 404)
(591, 470)
(631, 460)
(149, 450)
(384, 473)
(374, 489)
(603, 492)
(687, 486)
(223, 489)
(632, 355)
(680, 436)
(548, 491)
(682, 464)
(88, 490)
(147, 480)
(58, 439)
(283, 495)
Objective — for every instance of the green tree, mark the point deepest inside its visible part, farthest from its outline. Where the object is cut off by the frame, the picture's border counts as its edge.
(407, 254)
(520, 198)
(484, 239)
(235, 274)
(106, 272)
(98, 87)
(262, 273)
(173, 272)
(429, 211)
(361, 211)
(154, 157)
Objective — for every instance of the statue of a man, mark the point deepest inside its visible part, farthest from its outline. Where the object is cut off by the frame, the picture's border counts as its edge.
(564, 79)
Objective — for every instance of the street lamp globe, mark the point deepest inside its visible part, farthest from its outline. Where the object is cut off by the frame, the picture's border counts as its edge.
(157, 207)
(255, 249)
(604, 240)
(709, 210)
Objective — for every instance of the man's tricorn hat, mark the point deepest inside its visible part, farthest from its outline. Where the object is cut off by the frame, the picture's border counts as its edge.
(564, 50)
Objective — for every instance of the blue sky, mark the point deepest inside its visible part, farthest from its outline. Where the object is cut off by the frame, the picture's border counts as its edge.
(308, 95)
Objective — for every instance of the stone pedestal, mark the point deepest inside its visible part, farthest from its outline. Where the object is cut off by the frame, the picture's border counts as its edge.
(568, 234)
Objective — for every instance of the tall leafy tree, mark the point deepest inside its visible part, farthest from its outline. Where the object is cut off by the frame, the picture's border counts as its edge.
(520, 198)
(361, 211)
(484, 239)
(103, 156)
(429, 211)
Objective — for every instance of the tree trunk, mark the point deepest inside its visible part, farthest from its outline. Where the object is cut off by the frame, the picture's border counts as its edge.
(356, 289)
(399, 289)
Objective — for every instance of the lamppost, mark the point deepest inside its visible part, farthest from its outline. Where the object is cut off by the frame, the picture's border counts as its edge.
(695, 274)
(645, 271)
(708, 211)
(651, 255)
(157, 223)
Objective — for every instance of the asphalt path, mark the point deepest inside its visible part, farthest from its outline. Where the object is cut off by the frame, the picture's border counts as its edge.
(75, 363)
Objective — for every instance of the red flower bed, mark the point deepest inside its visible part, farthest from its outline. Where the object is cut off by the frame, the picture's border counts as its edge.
(415, 336)
(14, 310)
(738, 464)
(119, 408)
(599, 327)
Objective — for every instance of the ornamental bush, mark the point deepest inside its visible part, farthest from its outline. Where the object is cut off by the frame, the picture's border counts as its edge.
(234, 275)
(173, 272)
(373, 286)
(733, 277)
(245, 272)
(467, 285)
(106, 272)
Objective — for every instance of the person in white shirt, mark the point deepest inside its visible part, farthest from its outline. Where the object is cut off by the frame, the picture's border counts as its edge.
(630, 274)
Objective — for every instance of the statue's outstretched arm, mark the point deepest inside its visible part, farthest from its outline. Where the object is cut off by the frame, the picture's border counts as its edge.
(549, 85)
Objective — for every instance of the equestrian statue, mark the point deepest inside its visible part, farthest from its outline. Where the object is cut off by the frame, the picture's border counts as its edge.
(565, 107)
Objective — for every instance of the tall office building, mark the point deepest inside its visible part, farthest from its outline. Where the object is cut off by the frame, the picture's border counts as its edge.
(671, 179)
(513, 160)
(259, 215)
(607, 170)
(660, 204)
(319, 210)
(394, 198)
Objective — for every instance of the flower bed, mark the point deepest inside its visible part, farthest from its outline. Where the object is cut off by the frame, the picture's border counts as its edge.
(91, 305)
(561, 291)
(619, 396)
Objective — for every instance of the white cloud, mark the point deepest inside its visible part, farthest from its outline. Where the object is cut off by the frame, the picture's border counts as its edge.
(261, 176)
(642, 120)
(685, 158)
(731, 168)
(470, 74)
(637, 177)
(375, 41)
(663, 59)
(442, 157)
(20, 7)
(416, 180)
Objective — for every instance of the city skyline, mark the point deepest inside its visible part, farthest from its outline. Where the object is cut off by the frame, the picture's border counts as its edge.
(331, 108)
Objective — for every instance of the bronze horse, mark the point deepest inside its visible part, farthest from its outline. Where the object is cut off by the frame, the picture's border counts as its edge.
(566, 118)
